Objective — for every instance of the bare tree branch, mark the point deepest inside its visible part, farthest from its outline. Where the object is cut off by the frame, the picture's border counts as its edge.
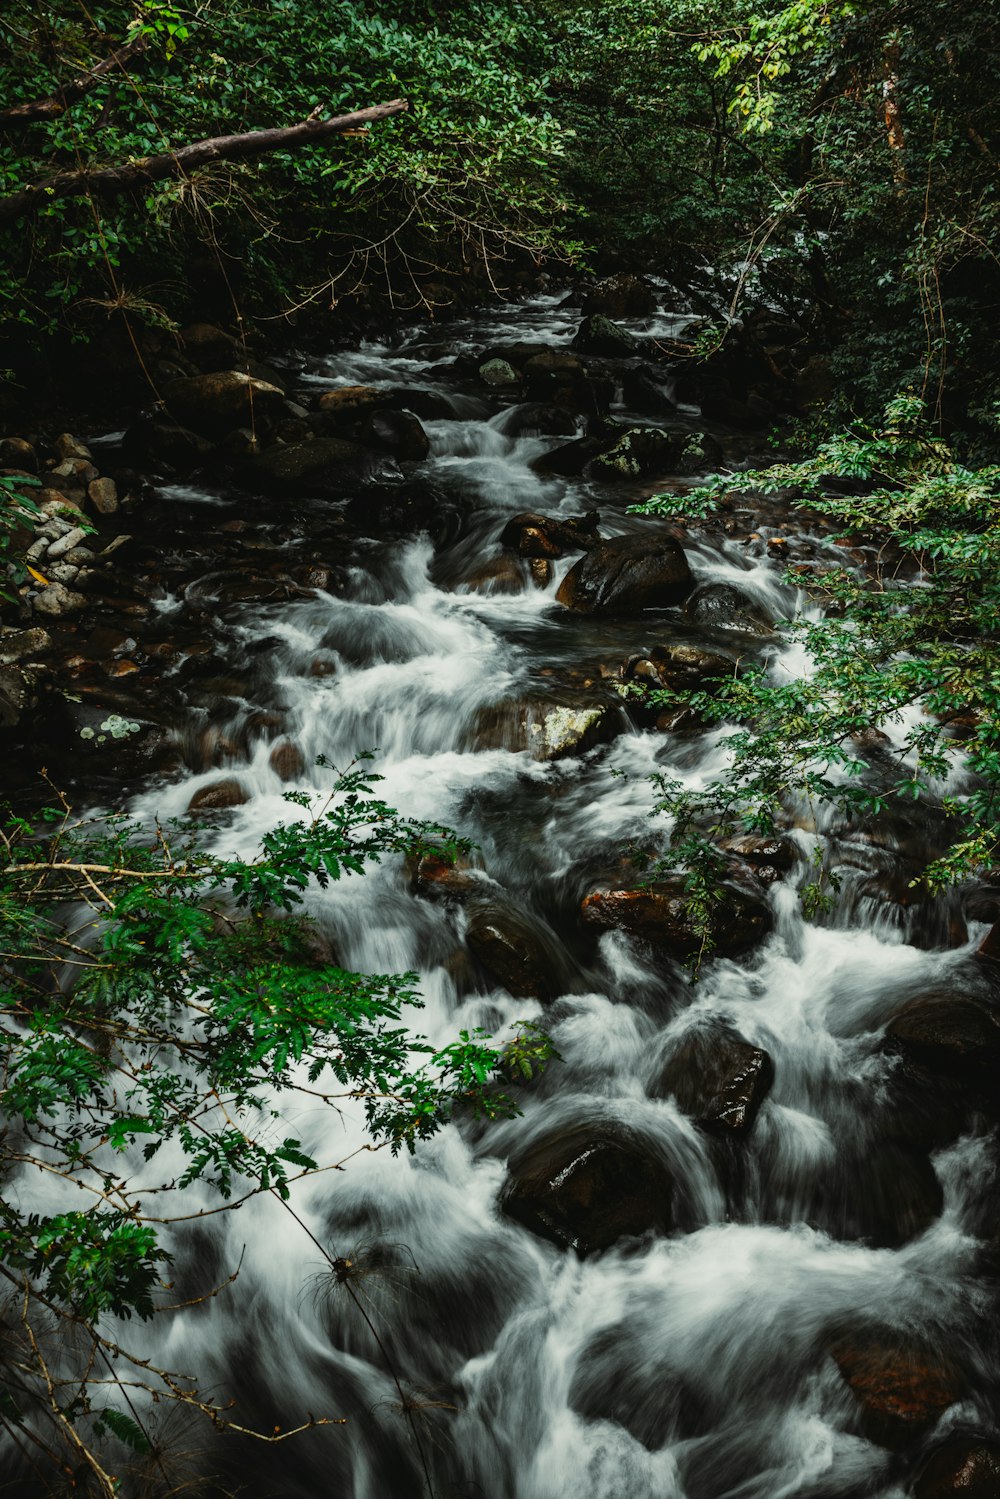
(21, 115)
(186, 159)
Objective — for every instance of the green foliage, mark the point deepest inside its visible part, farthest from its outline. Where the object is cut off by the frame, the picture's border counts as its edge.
(915, 631)
(17, 511)
(467, 173)
(160, 1004)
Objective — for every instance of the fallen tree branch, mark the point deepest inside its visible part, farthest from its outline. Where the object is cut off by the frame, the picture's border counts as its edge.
(186, 159)
(19, 116)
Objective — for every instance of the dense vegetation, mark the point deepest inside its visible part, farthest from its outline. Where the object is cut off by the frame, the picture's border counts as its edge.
(830, 163)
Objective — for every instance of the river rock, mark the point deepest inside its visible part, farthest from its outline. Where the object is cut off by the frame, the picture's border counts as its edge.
(599, 335)
(227, 793)
(956, 1034)
(676, 667)
(535, 419)
(57, 600)
(961, 1468)
(569, 459)
(219, 402)
(67, 448)
(628, 574)
(622, 295)
(648, 395)
(396, 432)
(503, 574)
(103, 496)
(22, 645)
(638, 452)
(287, 760)
(321, 465)
(209, 348)
(768, 856)
(18, 453)
(901, 1389)
(661, 915)
(723, 606)
(532, 535)
(510, 948)
(438, 878)
(717, 1078)
(586, 1186)
(498, 372)
(560, 378)
(353, 401)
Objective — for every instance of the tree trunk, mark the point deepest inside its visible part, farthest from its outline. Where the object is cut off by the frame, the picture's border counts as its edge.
(187, 159)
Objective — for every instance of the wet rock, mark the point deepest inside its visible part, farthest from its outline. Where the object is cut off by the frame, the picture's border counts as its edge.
(717, 1078)
(57, 600)
(227, 793)
(587, 1186)
(505, 574)
(510, 949)
(883, 1193)
(437, 878)
(769, 857)
(638, 452)
(599, 335)
(619, 296)
(901, 1389)
(322, 465)
(961, 1468)
(353, 401)
(532, 535)
(498, 372)
(222, 401)
(103, 496)
(661, 915)
(287, 760)
(67, 447)
(567, 731)
(536, 419)
(722, 606)
(66, 543)
(570, 459)
(17, 684)
(628, 574)
(647, 395)
(676, 667)
(22, 645)
(560, 378)
(956, 1034)
(396, 432)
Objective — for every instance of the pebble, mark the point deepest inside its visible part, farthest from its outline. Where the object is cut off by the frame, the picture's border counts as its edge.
(58, 599)
(67, 542)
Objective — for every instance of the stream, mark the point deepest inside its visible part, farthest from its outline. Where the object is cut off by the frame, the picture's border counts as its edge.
(717, 1356)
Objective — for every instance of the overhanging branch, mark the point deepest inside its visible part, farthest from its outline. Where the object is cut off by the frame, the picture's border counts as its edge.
(19, 116)
(109, 181)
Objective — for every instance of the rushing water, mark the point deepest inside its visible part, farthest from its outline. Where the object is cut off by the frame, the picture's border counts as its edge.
(689, 1366)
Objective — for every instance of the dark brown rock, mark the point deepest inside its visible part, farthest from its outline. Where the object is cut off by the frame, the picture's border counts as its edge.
(678, 667)
(586, 1186)
(287, 760)
(321, 465)
(769, 857)
(718, 1078)
(532, 535)
(901, 1389)
(953, 1033)
(661, 914)
(637, 452)
(155, 439)
(722, 606)
(961, 1468)
(597, 334)
(396, 432)
(219, 402)
(538, 420)
(352, 401)
(227, 793)
(437, 878)
(511, 951)
(628, 574)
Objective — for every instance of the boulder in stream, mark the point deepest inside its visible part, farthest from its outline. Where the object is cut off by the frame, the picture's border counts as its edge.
(628, 574)
(638, 452)
(723, 606)
(512, 950)
(953, 1033)
(532, 535)
(397, 432)
(585, 1186)
(226, 793)
(320, 465)
(599, 335)
(963, 1467)
(661, 915)
(677, 667)
(222, 401)
(719, 1079)
(902, 1388)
